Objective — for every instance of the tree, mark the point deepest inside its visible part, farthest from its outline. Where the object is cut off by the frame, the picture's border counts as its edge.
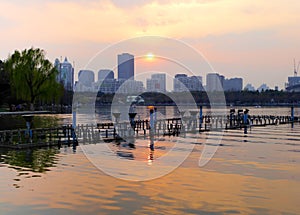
(3, 74)
(32, 77)
(4, 85)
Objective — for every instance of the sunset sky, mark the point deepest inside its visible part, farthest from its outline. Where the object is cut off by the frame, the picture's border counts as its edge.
(253, 39)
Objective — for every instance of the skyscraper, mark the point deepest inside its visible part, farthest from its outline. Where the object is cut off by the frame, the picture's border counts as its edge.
(180, 82)
(125, 66)
(65, 73)
(104, 74)
(214, 82)
(183, 83)
(86, 77)
(233, 84)
(157, 83)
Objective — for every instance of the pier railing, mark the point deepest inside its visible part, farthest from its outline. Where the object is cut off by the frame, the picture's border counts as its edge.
(24, 138)
(86, 134)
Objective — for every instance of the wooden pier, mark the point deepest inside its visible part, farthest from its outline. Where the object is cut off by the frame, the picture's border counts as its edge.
(174, 126)
(42, 137)
(88, 134)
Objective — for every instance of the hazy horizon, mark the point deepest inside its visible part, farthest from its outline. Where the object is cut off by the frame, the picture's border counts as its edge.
(255, 40)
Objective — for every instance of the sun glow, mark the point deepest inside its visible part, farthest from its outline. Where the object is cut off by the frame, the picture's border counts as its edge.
(149, 56)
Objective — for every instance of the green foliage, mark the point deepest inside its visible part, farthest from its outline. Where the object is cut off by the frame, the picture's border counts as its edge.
(4, 85)
(32, 77)
(3, 74)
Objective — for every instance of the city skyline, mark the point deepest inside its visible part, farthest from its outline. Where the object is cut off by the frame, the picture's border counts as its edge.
(157, 82)
(239, 38)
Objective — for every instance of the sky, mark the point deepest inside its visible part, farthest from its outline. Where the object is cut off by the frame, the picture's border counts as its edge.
(253, 39)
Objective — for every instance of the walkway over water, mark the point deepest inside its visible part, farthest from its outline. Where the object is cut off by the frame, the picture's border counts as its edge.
(85, 134)
(41, 137)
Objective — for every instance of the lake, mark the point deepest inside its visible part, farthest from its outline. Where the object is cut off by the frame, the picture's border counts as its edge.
(257, 173)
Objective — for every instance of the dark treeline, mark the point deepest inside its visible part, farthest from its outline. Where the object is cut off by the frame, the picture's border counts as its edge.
(5, 91)
(268, 97)
(242, 98)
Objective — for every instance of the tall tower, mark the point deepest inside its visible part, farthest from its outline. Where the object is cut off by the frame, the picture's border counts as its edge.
(157, 83)
(125, 66)
(104, 74)
(66, 74)
(214, 82)
(86, 77)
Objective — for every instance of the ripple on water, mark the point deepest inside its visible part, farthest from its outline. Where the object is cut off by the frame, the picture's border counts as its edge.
(253, 177)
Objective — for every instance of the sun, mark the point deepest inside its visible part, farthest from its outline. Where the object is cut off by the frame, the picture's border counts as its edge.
(149, 56)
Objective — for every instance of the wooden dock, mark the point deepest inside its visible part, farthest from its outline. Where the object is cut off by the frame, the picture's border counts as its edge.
(88, 134)
(42, 137)
(174, 126)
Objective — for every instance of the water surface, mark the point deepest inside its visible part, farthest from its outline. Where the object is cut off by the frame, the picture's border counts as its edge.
(258, 173)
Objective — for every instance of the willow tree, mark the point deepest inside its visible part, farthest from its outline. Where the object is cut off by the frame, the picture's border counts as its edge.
(32, 76)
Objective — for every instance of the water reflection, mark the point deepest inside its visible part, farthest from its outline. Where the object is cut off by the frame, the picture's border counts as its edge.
(151, 149)
(136, 148)
(36, 160)
(257, 174)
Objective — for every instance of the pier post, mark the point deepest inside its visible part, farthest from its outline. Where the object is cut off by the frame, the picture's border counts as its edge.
(200, 118)
(292, 115)
(115, 133)
(74, 119)
(131, 119)
(245, 121)
(74, 139)
(193, 119)
(232, 111)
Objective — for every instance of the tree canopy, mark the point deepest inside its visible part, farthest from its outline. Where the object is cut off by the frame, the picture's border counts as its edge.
(32, 76)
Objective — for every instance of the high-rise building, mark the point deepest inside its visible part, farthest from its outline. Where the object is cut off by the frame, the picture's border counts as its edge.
(86, 77)
(130, 86)
(65, 74)
(105, 74)
(233, 84)
(293, 84)
(157, 83)
(214, 82)
(179, 83)
(107, 85)
(195, 83)
(125, 66)
(183, 83)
